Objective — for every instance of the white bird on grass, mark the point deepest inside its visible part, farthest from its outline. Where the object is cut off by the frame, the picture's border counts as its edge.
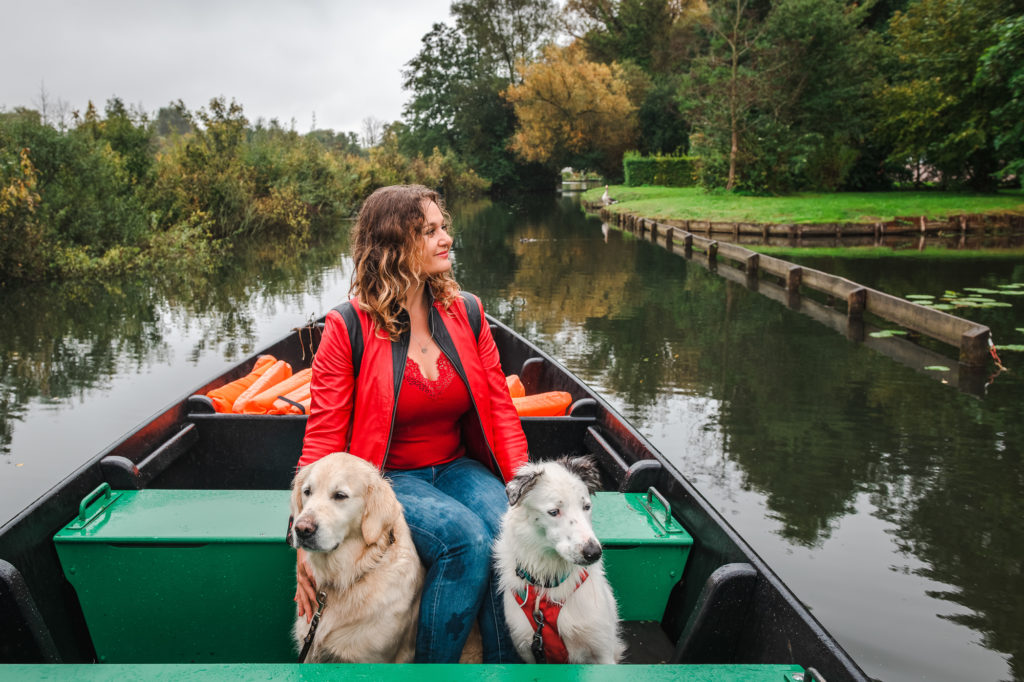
(606, 198)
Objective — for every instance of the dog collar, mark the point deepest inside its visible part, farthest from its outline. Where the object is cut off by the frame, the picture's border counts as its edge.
(522, 573)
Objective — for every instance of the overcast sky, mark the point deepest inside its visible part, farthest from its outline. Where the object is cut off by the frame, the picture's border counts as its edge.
(284, 59)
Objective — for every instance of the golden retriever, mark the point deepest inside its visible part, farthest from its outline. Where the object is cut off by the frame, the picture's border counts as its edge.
(348, 520)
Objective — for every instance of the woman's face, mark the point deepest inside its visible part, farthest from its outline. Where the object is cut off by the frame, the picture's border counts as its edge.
(435, 244)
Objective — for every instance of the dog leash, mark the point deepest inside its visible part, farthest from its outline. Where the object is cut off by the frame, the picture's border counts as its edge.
(321, 600)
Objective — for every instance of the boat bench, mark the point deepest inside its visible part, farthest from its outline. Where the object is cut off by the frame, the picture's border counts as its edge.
(204, 576)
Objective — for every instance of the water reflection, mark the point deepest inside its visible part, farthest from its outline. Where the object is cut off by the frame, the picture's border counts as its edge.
(782, 421)
(81, 363)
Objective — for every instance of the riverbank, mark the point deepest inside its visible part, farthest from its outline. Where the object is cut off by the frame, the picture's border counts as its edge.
(693, 203)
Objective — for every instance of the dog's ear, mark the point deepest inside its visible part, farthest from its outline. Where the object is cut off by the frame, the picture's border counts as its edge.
(380, 512)
(520, 485)
(586, 469)
(296, 499)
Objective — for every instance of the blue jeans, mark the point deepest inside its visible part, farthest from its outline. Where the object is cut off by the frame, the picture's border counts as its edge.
(454, 512)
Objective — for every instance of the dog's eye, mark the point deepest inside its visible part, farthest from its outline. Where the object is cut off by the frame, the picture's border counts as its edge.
(306, 491)
(552, 512)
(586, 507)
(340, 495)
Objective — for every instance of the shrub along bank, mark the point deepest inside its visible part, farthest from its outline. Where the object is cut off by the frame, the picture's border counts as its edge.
(117, 192)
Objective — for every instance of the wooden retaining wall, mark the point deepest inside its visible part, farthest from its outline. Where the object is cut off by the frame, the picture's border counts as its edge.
(970, 338)
(901, 225)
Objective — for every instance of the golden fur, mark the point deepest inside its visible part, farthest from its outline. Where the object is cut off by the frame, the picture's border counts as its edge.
(350, 523)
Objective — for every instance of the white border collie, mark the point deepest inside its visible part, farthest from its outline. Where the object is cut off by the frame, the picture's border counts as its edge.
(558, 603)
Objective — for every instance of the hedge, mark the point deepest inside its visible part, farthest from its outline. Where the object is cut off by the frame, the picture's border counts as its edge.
(667, 171)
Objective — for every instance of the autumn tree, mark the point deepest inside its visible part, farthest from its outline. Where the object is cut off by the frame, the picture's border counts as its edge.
(456, 83)
(573, 111)
(656, 37)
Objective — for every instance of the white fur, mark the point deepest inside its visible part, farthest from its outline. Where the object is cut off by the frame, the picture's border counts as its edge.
(548, 547)
(373, 585)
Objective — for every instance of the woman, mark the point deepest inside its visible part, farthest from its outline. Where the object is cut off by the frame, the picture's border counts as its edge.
(429, 406)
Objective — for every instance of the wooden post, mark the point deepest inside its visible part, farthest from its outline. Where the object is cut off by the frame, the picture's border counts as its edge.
(750, 266)
(670, 237)
(856, 302)
(794, 277)
(712, 252)
(974, 346)
(751, 263)
(688, 245)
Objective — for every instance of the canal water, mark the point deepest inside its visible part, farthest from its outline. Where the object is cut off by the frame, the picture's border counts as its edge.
(891, 502)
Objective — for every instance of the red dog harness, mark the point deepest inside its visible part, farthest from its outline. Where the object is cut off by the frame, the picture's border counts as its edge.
(542, 613)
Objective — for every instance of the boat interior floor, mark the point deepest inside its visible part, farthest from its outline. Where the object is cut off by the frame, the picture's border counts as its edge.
(646, 642)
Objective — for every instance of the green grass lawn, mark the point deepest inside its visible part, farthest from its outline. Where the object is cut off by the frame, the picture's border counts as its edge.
(692, 203)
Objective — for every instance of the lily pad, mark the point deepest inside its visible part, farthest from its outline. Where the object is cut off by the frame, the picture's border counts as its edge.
(981, 290)
(944, 306)
(887, 333)
(1020, 329)
(1015, 285)
(920, 296)
(1012, 347)
(937, 368)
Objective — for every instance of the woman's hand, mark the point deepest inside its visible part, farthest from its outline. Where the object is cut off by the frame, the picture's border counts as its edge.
(305, 589)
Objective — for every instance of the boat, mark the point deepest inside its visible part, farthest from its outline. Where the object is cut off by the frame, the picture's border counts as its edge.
(115, 602)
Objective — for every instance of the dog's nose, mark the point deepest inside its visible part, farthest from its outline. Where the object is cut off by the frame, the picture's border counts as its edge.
(305, 528)
(591, 551)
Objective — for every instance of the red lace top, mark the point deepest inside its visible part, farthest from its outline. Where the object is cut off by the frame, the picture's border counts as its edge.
(427, 429)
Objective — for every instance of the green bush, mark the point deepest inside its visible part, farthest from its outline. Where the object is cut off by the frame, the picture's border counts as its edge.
(666, 171)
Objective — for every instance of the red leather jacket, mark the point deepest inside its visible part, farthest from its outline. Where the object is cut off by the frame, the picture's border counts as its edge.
(357, 416)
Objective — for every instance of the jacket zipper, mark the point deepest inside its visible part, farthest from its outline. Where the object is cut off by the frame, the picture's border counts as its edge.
(394, 406)
(472, 398)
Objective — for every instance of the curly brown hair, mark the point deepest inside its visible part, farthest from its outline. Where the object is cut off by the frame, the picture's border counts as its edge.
(386, 251)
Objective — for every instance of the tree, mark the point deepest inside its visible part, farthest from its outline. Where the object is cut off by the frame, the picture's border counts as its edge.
(456, 84)
(819, 70)
(1001, 68)
(174, 119)
(936, 111)
(438, 78)
(573, 111)
(781, 98)
(725, 86)
(373, 132)
(505, 33)
(656, 35)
